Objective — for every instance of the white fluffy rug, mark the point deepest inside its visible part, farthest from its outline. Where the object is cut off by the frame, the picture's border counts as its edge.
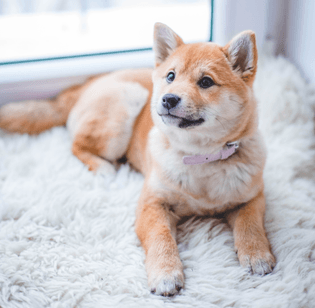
(67, 237)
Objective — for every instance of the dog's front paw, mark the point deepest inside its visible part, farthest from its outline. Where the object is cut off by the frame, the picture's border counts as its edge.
(259, 262)
(165, 270)
(166, 283)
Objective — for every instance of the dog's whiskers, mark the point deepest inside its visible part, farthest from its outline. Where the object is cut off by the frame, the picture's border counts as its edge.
(216, 117)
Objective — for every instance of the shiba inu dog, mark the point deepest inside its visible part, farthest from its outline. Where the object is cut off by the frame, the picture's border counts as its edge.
(190, 126)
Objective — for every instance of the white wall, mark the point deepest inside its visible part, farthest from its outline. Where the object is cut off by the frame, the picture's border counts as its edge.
(300, 36)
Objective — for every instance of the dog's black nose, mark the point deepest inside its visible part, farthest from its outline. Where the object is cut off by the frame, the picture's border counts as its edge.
(170, 101)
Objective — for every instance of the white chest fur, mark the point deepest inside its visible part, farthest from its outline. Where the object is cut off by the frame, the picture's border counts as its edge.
(214, 186)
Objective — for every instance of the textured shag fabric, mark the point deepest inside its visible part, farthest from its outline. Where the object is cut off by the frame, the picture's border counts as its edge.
(67, 236)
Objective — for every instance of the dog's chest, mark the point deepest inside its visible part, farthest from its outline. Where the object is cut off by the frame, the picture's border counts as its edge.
(210, 186)
(207, 188)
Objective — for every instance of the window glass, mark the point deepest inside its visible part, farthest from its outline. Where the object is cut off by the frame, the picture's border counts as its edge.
(42, 29)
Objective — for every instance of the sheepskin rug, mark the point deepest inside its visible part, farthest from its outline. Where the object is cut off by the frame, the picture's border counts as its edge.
(67, 237)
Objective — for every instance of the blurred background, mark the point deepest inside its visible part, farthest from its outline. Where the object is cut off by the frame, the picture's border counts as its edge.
(47, 45)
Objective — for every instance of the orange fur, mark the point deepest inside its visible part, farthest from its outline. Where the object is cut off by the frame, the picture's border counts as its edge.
(120, 114)
(251, 243)
(156, 229)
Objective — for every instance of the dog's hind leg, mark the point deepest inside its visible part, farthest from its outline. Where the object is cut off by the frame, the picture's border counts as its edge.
(102, 122)
(94, 162)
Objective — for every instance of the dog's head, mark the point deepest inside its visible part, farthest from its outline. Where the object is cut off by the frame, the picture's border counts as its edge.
(203, 89)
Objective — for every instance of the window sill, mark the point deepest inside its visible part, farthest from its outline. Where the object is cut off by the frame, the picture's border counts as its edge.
(46, 79)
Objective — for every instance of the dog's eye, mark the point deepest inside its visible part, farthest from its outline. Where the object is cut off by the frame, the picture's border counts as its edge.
(205, 82)
(170, 77)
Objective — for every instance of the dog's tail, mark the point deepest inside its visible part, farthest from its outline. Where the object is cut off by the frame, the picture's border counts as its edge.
(35, 116)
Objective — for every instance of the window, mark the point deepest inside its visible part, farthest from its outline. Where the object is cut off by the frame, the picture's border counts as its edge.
(52, 44)
(56, 29)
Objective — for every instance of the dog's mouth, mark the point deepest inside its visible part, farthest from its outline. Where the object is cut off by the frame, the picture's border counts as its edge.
(170, 119)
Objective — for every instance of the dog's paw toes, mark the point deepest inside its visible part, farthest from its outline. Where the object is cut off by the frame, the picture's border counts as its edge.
(263, 266)
(257, 264)
(167, 285)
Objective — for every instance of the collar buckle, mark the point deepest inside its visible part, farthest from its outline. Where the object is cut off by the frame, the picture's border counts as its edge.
(235, 143)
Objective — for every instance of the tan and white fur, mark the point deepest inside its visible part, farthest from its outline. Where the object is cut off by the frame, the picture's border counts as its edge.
(198, 98)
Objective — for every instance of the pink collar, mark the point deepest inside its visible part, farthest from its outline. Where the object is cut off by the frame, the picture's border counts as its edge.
(201, 159)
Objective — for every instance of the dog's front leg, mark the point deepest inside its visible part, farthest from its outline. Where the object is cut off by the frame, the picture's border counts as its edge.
(156, 229)
(250, 239)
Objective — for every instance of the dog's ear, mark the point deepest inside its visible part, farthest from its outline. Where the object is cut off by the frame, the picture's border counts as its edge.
(241, 52)
(165, 42)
